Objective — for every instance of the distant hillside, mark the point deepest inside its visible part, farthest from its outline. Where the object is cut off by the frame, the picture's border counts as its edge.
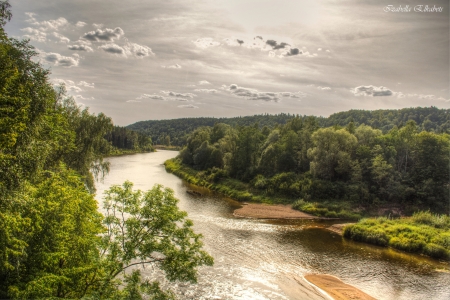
(175, 130)
(427, 118)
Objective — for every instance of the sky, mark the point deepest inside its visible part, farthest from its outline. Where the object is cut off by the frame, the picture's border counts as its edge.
(141, 60)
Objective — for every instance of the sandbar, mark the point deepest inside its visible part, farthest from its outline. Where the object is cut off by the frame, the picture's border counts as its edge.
(264, 211)
(337, 289)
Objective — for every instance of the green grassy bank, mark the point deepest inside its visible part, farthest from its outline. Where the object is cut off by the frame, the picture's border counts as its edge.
(423, 233)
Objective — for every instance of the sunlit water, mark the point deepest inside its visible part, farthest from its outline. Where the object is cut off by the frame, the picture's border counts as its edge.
(257, 259)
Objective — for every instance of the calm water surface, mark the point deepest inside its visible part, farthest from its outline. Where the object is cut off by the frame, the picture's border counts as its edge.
(257, 259)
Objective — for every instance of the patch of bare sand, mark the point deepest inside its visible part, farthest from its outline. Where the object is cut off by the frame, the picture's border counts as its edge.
(297, 288)
(337, 289)
(264, 211)
(338, 228)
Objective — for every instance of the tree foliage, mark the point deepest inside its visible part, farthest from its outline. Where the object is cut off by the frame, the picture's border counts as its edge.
(53, 241)
(403, 167)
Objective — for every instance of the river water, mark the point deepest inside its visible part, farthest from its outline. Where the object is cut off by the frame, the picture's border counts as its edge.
(262, 259)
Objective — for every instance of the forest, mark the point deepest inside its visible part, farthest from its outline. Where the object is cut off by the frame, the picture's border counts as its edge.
(351, 166)
(53, 241)
(175, 132)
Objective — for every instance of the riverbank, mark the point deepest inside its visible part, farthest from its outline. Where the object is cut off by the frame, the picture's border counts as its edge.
(244, 192)
(336, 288)
(423, 233)
(264, 211)
(121, 152)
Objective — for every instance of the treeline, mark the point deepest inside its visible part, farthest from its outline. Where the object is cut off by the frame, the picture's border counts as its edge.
(353, 164)
(175, 132)
(427, 118)
(123, 138)
(53, 241)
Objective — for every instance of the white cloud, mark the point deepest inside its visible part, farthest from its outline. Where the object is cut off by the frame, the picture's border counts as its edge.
(203, 82)
(175, 66)
(205, 43)
(86, 84)
(129, 49)
(60, 60)
(179, 96)
(81, 24)
(253, 94)
(372, 91)
(133, 101)
(106, 35)
(113, 49)
(187, 106)
(99, 25)
(139, 51)
(34, 34)
(80, 47)
(324, 88)
(154, 97)
(62, 39)
(209, 91)
(49, 25)
(80, 97)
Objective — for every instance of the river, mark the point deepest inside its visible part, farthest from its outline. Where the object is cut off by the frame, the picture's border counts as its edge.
(261, 259)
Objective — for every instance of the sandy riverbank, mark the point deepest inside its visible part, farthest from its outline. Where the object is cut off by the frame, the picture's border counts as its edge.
(337, 289)
(338, 228)
(262, 211)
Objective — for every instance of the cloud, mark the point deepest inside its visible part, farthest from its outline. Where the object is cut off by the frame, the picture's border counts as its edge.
(129, 49)
(205, 43)
(86, 84)
(60, 60)
(203, 82)
(175, 66)
(187, 106)
(107, 35)
(154, 97)
(271, 46)
(179, 96)
(253, 94)
(80, 97)
(293, 51)
(62, 39)
(324, 88)
(209, 91)
(113, 49)
(371, 90)
(34, 34)
(139, 51)
(99, 25)
(80, 24)
(48, 25)
(80, 47)
(69, 84)
(133, 101)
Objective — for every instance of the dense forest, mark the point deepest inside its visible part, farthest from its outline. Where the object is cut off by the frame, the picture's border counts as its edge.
(358, 165)
(53, 241)
(175, 132)
(124, 138)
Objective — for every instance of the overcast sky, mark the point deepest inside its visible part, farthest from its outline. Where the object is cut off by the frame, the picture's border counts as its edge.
(161, 59)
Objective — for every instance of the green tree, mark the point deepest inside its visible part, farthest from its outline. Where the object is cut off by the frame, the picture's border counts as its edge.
(331, 156)
(147, 229)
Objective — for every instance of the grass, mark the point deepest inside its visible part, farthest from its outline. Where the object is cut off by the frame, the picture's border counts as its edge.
(328, 209)
(120, 152)
(423, 233)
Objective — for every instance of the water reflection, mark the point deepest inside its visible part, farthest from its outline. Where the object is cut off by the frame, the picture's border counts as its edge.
(256, 259)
